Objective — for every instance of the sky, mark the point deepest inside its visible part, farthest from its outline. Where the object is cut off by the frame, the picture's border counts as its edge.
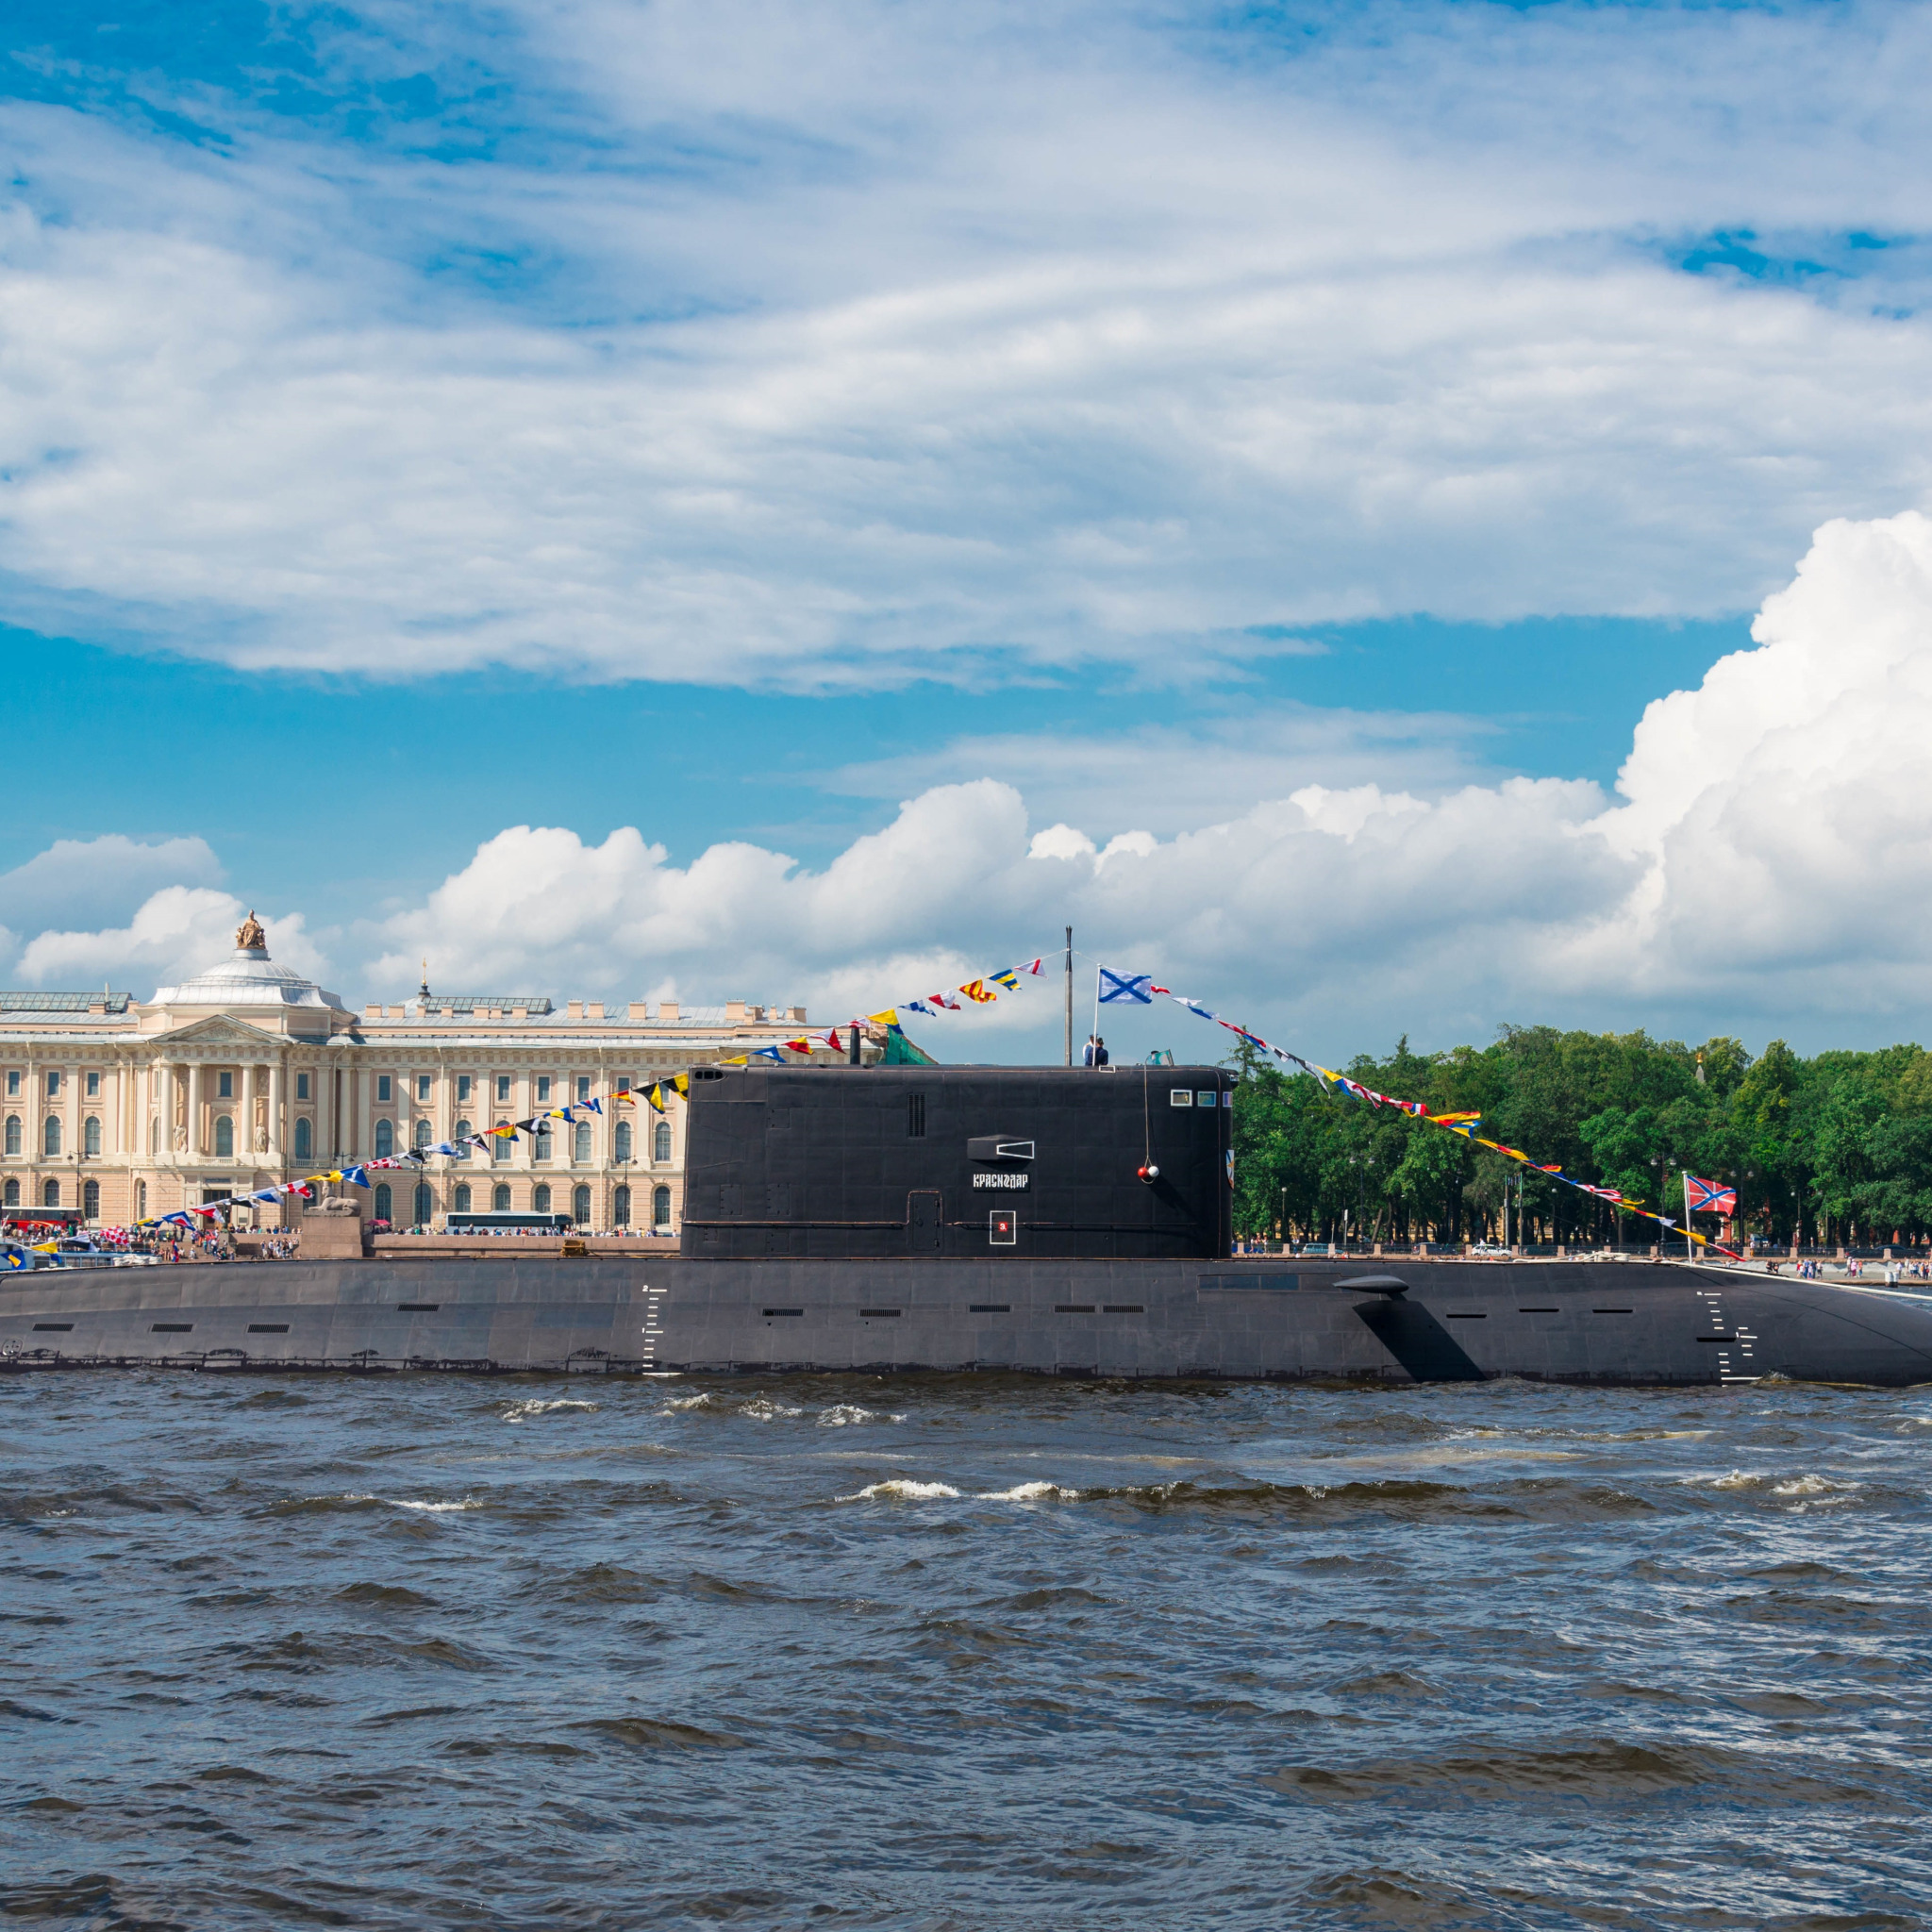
(1394, 519)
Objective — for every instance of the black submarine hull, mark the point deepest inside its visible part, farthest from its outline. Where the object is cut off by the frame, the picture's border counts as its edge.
(1629, 1323)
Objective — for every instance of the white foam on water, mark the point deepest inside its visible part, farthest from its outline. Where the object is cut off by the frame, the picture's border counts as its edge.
(1030, 1493)
(414, 1503)
(901, 1489)
(521, 1411)
(1811, 1485)
(845, 1415)
(761, 1409)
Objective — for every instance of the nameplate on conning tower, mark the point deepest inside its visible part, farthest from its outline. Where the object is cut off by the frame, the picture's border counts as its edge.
(1001, 1180)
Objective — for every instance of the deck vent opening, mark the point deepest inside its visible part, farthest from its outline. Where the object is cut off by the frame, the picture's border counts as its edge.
(268, 1327)
(1465, 1315)
(1613, 1311)
(417, 1308)
(1539, 1311)
(770, 1313)
(1072, 1308)
(172, 1328)
(1123, 1308)
(989, 1308)
(878, 1314)
(52, 1327)
(915, 1116)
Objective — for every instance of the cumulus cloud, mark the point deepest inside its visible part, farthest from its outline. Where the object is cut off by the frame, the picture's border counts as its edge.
(76, 881)
(1767, 865)
(833, 345)
(172, 933)
(1764, 867)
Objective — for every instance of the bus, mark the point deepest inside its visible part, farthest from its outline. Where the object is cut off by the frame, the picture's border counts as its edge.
(455, 1223)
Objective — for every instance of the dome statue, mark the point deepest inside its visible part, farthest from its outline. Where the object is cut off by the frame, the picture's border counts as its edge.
(248, 979)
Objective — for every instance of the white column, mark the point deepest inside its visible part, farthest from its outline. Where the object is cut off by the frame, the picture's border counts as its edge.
(277, 1079)
(194, 1106)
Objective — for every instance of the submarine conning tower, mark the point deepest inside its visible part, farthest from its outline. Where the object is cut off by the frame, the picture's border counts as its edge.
(971, 1163)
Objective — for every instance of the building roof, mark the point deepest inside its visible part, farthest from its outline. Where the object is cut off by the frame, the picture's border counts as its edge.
(247, 977)
(532, 1003)
(62, 1002)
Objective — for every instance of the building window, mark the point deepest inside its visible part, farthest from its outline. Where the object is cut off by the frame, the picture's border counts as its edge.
(583, 1085)
(462, 1139)
(91, 1201)
(624, 1083)
(539, 1201)
(661, 1141)
(580, 1142)
(224, 1136)
(13, 1193)
(503, 1085)
(305, 1139)
(91, 1136)
(385, 1202)
(301, 1086)
(462, 1205)
(384, 1087)
(13, 1133)
(660, 1207)
(385, 1140)
(620, 1141)
(426, 1137)
(225, 1086)
(543, 1089)
(500, 1145)
(543, 1148)
(13, 1084)
(422, 1086)
(425, 1204)
(141, 1200)
(499, 1201)
(462, 1086)
(51, 1138)
(620, 1208)
(50, 1194)
(580, 1207)
(53, 1084)
(93, 1086)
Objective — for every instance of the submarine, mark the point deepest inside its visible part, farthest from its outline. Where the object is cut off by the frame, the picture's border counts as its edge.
(965, 1219)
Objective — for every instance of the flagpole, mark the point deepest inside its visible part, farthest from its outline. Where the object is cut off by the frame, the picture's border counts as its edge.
(1096, 998)
(1070, 995)
(1689, 1246)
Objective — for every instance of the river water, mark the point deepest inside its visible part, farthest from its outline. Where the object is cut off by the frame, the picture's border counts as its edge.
(960, 1653)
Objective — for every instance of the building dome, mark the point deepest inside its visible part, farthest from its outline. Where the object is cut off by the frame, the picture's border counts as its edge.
(248, 977)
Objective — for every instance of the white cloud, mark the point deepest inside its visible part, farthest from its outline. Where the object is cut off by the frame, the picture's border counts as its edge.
(879, 342)
(77, 881)
(1766, 869)
(173, 934)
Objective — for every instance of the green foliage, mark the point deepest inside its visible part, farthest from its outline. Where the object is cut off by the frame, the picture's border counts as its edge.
(1837, 1148)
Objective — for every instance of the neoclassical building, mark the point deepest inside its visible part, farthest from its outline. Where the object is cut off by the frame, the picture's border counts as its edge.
(116, 1109)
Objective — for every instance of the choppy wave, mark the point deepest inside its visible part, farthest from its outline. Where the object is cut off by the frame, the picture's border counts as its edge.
(428, 1506)
(523, 1411)
(1273, 1660)
(756, 1408)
